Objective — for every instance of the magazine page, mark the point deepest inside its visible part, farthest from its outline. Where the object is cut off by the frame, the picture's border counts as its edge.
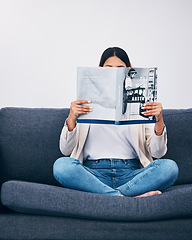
(97, 85)
(117, 95)
(138, 88)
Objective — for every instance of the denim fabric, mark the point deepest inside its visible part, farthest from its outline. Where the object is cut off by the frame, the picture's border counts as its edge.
(115, 176)
(114, 172)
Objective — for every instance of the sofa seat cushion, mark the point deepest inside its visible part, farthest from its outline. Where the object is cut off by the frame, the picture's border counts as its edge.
(41, 199)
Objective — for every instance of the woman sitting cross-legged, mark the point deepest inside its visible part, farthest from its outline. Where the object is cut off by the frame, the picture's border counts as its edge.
(111, 159)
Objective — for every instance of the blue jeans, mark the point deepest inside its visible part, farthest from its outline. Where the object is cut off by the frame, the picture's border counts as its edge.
(115, 176)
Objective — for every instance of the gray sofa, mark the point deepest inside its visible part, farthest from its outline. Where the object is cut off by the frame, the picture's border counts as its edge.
(34, 205)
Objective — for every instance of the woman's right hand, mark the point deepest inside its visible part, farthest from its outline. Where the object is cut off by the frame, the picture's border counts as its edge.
(76, 109)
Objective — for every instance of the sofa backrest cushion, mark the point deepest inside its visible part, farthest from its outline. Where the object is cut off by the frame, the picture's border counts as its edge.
(179, 129)
(29, 143)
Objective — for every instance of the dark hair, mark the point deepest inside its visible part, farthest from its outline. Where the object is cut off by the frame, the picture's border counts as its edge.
(115, 51)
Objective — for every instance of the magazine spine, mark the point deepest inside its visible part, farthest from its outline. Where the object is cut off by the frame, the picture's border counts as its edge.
(120, 76)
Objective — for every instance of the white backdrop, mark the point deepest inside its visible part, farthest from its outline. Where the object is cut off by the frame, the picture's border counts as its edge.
(43, 41)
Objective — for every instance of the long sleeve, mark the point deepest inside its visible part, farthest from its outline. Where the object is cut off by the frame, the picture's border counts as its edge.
(156, 145)
(67, 140)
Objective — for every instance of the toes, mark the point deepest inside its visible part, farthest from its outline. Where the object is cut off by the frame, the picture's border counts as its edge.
(151, 193)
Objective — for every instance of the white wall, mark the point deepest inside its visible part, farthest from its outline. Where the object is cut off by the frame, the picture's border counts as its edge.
(43, 41)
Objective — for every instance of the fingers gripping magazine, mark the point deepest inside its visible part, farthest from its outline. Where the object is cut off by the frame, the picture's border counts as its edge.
(117, 95)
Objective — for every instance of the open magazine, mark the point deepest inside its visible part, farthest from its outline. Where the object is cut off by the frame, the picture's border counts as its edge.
(117, 95)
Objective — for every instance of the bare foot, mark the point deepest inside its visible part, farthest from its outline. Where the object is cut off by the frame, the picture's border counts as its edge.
(151, 193)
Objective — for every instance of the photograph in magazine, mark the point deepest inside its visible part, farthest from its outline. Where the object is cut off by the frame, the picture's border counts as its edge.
(117, 95)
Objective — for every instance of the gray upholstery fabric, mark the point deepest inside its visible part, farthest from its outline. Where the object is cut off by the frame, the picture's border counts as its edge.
(179, 129)
(57, 201)
(29, 143)
(28, 148)
(21, 226)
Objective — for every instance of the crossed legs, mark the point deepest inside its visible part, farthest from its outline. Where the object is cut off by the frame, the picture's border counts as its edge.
(157, 176)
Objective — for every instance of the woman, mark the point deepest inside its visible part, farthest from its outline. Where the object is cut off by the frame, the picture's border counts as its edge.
(111, 159)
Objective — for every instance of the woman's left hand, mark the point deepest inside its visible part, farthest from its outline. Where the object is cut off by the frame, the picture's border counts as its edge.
(153, 109)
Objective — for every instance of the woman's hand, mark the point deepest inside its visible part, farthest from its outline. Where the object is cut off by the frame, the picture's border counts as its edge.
(76, 109)
(155, 109)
